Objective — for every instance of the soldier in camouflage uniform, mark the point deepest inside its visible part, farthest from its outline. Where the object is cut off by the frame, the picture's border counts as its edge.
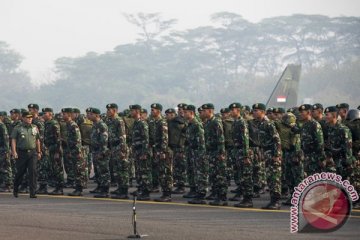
(154, 161)
(129, 123)
(6, 177)
(177, 127)
(118, 151)
(338, 147)
(53, 149)
(100, 153)
(227, 122)
(73, 152)
(270, 144)
(140, 149)
(198, 165)
(343, 109)
(353, 123)
(317, 115)
(162, 153)
(215, 153)
(240, 153)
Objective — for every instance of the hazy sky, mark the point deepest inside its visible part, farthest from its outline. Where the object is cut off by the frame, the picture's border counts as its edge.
(43, 30)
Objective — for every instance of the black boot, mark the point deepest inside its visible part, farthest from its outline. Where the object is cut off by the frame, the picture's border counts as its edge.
(103, 194)
(236, 190)
(5, 189)
(199, 199)
(245, 203)
(69, 184)
(274, 204)
(144, 196)
(57, 191)
(42, 190)
(219, 201)
(76, 193)
(190, 194)
(166, 197)
(122, 194)
(23, 189)
(287, 202)
(179, 190)
(235, 198)
(117, 191)
(96, 190)
(211, 196)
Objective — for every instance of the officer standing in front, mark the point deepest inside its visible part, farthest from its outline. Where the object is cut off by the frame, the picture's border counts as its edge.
(25, 147)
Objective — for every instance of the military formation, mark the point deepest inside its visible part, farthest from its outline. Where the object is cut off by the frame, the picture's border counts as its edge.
(260, 149)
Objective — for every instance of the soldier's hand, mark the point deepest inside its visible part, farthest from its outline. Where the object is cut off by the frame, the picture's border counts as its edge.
(57, 156)
(277, 159)
(247, 161)
(162, 156)
(221, 157)
(15, 155)
(39, 155)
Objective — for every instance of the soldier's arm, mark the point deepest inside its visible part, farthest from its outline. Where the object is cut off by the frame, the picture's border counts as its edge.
(319, 137)
(122, 135)
(276, 140)
(245, 139)
(220, 138)
(164, 136)
(347, 145)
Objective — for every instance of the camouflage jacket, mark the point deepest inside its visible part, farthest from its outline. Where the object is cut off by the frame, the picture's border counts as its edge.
(354, 127)
(214, 136)
(240, 136)
(151, 125)
(73, 137)
(52, 136)
(195, 137)
(13, 125)
(227, 126)
(140, 137)
(117, 133)
(4, 139)
(99, 137)
(177, 129)
(268, 136)
(161, 137)
(290, 141)
(41, 127)
(312, 139)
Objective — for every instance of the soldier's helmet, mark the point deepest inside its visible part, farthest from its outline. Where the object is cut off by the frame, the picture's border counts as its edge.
(353, 114)
(289, 119)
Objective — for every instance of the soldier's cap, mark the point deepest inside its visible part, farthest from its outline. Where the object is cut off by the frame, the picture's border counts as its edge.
(358, 107)
(23, 110)
(26, 114)
(342, 105)
(200, 109)
(112, 105)
(41, 114)
(235, 105)
(88, 110)
(126, 112)
(181, 105)
(247, 108)
(47, 110)
(208, 106)
(278, 110)
(317, 106)
(143, 110)
(270, 110)
(190, 108)
(76, 110)
(95, 110)
(259, 106)
(33, 105)
(67, 110)
(157, 106)
(224, 110)
(305, 107)
(331, 109)
(135, 107)
(15, 110)
(3, 114)
(170, 110)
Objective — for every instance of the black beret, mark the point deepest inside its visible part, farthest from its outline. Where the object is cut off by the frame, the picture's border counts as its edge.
(47, 110)
(76, 110)
(112, 105)
(359, 107)
(33, 105)
(157, 106)
(26, 114)
(3, 113)
(170, 110)
(235, 105)
(259, 106)
(88, 110)
(278, 110)
(23, 110)
(247, 108)
(143, 110)
(331, 109)
(317, 106)
(181, 105)
(126, 112)
(67, 110)
(342, 105)
(224, 110)
(15, 110)
(208, 106)
(41, 114)
(189, 108)
(200, 109)
(95, 110)
(305, 107)
(135, 107)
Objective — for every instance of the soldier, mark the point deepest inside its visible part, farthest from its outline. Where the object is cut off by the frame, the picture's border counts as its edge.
(73, 152)
(100, 153)
(26, 149)
(140, 150)
(312, 141)
(6, 120)
(246, 113)
(144, 114)
(198, 165)
(227, 122)
(215, 153)
(342, 108)
(154, 161)
(269, 114)
(177, 127)
(129, 123)
(202, 115)
(118, 151)
(52, 143)
(353, 123)
(271, 146)
(278, 114)
(240, 154)
(5, 164)
(15, 118)
(317, 114)
(338, 147)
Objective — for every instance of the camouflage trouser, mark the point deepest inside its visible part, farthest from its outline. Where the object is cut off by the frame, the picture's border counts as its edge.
(56, 164)
(259, 176)
(6, 176)
(198, 171)
(294, 168)
(69, 166)
(232, 171)
(179, 163)
(342, 169)
(217, 173)
(132, 172)
(101, 164)
(154, 169)
(80, 169)
(121, 166)
(245, 171)
(165, 171)
(273, 174)
(85, 149)
(143, 171)
(43, 169)
(312, 163)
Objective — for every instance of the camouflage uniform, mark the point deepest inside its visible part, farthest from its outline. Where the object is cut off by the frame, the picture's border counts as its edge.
(44, 170)
(154, 161)
(68, 163)
(5, 165)
(232, 170)
(85, 126)
(129, 123)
